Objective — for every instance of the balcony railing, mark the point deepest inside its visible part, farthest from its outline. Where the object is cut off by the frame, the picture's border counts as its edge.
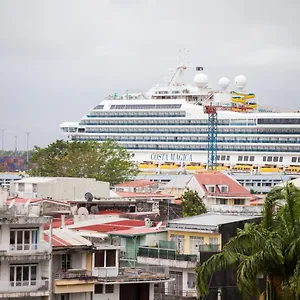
(24, 286)
(137, 273)
(209, 248)
(165, 254)
(73, 274)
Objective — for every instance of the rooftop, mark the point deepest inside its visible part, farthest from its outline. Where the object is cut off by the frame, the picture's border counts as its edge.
(66, 238)
(143, 195)
(208, 221)
(136, 183)
(235, 189)
(138, 231)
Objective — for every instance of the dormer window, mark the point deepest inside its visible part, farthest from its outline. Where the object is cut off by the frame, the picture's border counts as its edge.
(223, 188)
(211, 188)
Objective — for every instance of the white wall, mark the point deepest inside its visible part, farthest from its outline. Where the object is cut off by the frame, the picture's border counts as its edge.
(61, 188)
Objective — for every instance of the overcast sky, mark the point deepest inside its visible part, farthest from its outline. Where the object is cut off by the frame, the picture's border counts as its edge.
(59, 58)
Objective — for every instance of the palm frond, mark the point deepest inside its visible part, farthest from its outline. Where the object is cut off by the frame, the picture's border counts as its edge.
(219, 261)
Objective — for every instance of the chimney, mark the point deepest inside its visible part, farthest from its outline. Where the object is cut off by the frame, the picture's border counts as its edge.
(62, 221)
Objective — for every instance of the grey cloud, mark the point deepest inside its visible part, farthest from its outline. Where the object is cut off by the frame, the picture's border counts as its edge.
(59, 58)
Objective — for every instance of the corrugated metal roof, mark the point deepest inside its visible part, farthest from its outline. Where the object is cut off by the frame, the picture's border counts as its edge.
(210, 219)
(66, 238)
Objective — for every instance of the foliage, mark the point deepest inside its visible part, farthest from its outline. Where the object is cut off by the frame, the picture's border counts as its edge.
(2, 169)
(271, 248)
(106, 162)
(192, 204)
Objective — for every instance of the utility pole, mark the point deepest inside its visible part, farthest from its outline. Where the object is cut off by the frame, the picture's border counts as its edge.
(2, 137)
(16, 143)
(27, 146)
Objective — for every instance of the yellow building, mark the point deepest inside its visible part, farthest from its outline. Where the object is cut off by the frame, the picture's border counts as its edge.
(191, 240)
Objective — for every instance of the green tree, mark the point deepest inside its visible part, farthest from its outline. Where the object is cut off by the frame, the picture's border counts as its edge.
(192, 204)
(106, 162)
(2, 169)
(271, 248)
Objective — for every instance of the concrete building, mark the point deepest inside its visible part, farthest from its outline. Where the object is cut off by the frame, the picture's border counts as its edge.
(86, 270)
(58, 188)
(25, 255)
(7, 177)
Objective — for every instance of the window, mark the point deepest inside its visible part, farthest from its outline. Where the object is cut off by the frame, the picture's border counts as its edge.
(239, 201)
(23, 275)
(223, 157)
(98, 288)
(109, 289)
(227, 157)
(211, 188)
(223, 188)
(21, 187)
(240, 158)
(222, 201)
(294, 159)
(280, 159)
(23, 239)
(105, 258)
(269, 158)
(195, 241)
(99, 259)
(264, 158)
(213, 241)
(251, 158)
(64, 297)
(191, 280)
(246, 158)
(110, 258)
(275, 158)
(66, 261)
(34, 188)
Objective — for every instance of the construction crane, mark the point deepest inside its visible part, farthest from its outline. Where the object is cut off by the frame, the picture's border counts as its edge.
(212, 136)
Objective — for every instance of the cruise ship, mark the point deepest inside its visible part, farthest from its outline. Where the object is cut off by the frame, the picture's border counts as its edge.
(166, 128)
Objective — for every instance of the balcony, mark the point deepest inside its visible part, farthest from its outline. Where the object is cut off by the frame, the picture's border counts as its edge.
(73, 281)
(22, 289)
(30, 252)
(209, 248)
(166, 257)
(138, 273)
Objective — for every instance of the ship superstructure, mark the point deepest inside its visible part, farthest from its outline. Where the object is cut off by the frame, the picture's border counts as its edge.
(166, 128)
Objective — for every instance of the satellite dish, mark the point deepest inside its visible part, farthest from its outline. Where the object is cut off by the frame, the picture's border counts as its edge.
(82, 211)
(88, 196)
(94, 210)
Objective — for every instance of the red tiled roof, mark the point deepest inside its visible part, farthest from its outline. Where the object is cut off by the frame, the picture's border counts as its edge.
(139, 231)
(103, 227)
(56, 223)
(217, 178)
(136, 183)
(129, 222)
(142, 195)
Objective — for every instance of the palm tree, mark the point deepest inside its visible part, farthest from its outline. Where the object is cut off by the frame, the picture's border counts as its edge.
(271, 249)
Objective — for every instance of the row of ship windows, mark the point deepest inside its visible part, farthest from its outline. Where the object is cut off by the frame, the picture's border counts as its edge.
(273, 158)
(146, 106)
(279, 121)
(295, 159)
(245, 158)
(186, 130)
(191, 139)
(138, 114)
(203, 147)
(164, 122)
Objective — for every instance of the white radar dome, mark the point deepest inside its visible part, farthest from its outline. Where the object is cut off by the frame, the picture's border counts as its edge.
(240, 82)
(201, 80)
(224, 83)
